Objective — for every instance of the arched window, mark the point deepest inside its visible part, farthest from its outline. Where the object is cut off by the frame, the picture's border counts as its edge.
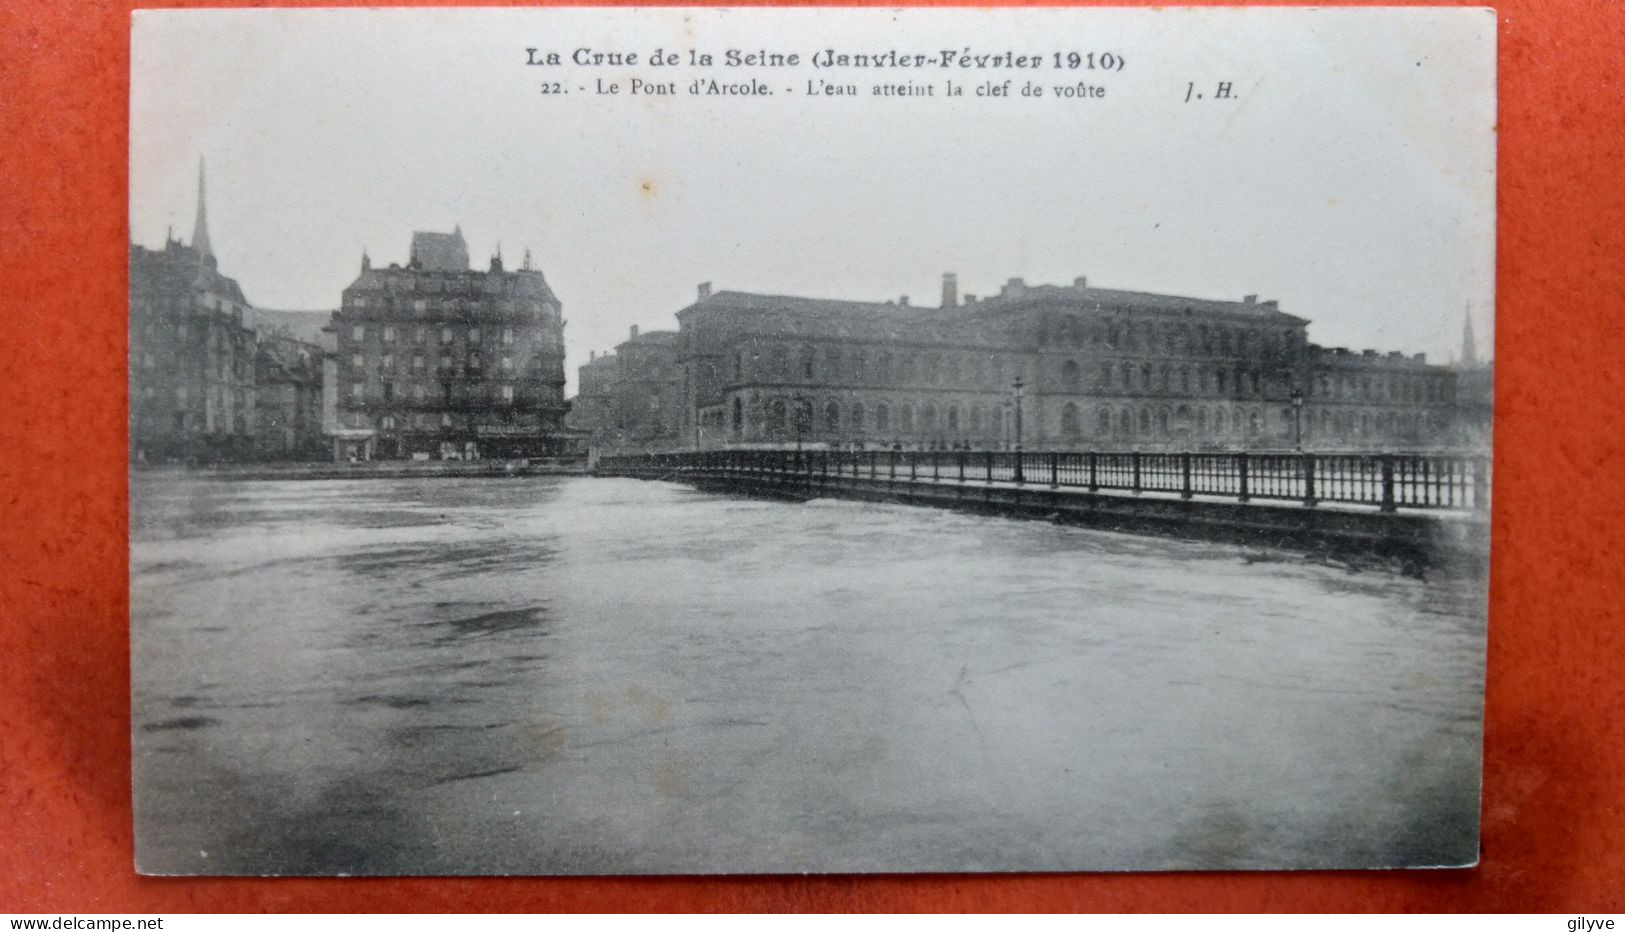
(1220, 380)
(1185, 380)
(781, 360)
(1069, 420)
(739, 366)
(928, 418)
(1237, 424)
(1253, 424)
(905, 419)
(1103, 421)
(953, 419)
(1145, 376)
(882, 417)
(1125, 376)
(1145, 420)
(857, 416)
(933, 370)
(739, 416)
(832, 417)
(1106, 376)
(803, 418)
(883, 367)
(1162, 421)
(1125, 422)
(859, 361)
(976, 419)
(807, 362)
(776, 419)
(1071, 375)
(1201, 421)
(832, 364)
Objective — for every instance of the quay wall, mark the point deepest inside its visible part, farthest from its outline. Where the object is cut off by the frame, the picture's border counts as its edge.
(381, 469)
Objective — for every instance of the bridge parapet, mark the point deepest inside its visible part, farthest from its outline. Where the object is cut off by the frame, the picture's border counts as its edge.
(1385, 482)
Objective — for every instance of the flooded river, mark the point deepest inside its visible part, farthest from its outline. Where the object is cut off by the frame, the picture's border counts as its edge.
(583, 675)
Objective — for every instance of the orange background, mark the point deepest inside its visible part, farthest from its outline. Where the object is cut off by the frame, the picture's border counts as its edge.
(1555, 737)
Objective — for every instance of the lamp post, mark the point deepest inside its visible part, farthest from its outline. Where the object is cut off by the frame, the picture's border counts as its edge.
(1019, 389)
(795, 416)
(1297, 419)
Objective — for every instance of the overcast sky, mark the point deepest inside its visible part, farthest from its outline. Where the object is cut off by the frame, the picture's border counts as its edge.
(1352, 179)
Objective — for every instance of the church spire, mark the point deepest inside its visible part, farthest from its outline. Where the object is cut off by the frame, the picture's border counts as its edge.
(200, 226)
(1469, 345)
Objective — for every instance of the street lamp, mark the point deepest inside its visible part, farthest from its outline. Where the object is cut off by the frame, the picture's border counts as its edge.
(1020, 391)
(1297, 418)
(797, 400)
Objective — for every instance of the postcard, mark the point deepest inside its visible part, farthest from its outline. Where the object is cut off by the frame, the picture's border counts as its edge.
(691, 441)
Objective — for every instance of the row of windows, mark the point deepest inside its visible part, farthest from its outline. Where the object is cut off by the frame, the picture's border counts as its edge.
(448, 335)
(419, 391)
(386, 362)
(834, 364)
(781, 419)
(1126, 376)
(1412, 388)
(475, 283)
(1217, 339)
(1238, 422)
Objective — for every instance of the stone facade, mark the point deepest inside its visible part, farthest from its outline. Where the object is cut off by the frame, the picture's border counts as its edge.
(288, 389)
(192, 355)
(632, 399)
(1086, 367)
(436, 360)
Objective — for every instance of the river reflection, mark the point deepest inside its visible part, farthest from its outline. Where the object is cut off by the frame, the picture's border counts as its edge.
(601, 675)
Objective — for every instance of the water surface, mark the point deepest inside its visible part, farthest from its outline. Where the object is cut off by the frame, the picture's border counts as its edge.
(600, 675)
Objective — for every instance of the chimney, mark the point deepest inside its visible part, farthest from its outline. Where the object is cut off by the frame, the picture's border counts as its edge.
(950, 289)
(1081, 282)
(1249, 299)
(634, 332)
(902, 301)
(1272, 304)
(592, 355)
(1420, 357)
(1014, 288)
(705, 290)
(970, 299)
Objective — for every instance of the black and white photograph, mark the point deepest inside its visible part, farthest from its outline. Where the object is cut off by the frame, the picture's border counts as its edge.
(781, 441)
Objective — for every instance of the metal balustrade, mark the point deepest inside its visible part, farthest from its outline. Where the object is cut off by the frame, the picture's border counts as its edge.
(1439, 482)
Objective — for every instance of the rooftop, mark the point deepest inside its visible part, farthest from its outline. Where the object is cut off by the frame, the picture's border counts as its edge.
(440, 252)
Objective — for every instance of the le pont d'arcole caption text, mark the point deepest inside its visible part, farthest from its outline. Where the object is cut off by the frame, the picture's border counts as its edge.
(965, 72)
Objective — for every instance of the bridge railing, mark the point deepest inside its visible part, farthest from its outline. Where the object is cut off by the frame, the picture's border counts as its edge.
(1388, 482)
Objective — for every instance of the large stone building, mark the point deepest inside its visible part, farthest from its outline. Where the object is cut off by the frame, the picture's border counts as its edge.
(633, 397)
(192, 354)
(288, 390)
(434, 359)
(1084, 367)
